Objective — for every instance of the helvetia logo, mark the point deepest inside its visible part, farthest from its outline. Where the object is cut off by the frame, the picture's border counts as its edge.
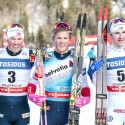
(62, 67)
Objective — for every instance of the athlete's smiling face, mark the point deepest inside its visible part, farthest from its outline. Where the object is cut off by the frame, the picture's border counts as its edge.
(62, 41)
(15, 43)
(118, 38)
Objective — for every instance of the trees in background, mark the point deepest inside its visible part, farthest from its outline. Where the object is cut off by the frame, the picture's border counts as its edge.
(54, 11)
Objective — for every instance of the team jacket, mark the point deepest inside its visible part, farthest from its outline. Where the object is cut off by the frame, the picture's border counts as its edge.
(58, 76)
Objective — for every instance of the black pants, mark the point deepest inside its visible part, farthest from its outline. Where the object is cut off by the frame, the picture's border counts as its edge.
(58, 113)
(14, 113)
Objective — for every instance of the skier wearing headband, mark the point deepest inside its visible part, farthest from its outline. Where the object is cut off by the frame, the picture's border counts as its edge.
(116, 73)
(58, 77)
(15, 69)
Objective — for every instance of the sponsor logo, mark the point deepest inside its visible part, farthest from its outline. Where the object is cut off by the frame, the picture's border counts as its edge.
(12, 64)
(59, 95)
(65, 88)
(70, 63)
(62, 67)
(116, 63)
(1, 115)
(119, 110)
(1, 51)
(11, 85)
(118, 84)
(25, 115)
(18, 33)
(109, 118)
(24, 54)
(121, 27)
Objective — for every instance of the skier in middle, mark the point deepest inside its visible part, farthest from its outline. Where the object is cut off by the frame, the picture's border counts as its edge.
(58, 77)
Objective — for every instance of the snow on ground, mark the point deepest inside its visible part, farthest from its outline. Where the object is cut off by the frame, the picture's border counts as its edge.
(87, 114)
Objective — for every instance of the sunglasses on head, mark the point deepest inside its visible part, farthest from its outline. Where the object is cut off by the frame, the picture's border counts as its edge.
(62, 25)
(116, 21)
(16, 24)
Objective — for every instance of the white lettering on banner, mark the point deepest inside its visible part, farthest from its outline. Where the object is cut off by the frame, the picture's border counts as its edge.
(116, 88)
(116, 63)
(12, 64)
(57, 94)
(119, 88)
(13, 90)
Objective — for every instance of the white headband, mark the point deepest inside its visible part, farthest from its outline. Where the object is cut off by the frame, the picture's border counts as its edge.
(14, 31)
(116, 26)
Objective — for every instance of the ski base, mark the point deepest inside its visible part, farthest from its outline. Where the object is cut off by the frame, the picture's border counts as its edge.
(101, 116)
(74, 116)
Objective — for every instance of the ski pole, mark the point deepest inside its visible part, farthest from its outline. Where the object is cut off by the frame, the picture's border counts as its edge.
(41, 84)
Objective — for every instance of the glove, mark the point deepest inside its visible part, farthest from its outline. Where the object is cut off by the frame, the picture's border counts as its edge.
(85, 92)
(95, 66)
(38, 100)
(81, 101)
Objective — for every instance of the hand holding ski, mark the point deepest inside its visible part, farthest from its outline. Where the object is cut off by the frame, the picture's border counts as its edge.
(101, 74)
(95, 66)
(73, 118)
(38, 100)
(81, 101)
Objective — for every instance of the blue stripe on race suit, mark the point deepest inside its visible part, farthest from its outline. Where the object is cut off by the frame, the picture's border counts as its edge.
(115, 63)
(14, 64)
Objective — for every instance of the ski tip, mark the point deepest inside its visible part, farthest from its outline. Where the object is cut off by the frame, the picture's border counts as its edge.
(100, 13)
(84, 21)
(79, 21)
(106, 13)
